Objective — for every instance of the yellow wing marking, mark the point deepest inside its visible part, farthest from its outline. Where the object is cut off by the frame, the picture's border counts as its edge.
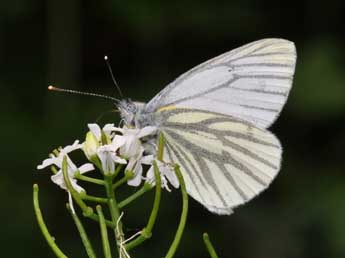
(170, 107)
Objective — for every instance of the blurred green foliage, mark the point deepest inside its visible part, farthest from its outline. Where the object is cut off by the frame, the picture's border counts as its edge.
(149, 44)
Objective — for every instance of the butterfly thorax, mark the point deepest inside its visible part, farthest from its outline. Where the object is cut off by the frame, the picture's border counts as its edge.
(134, 114)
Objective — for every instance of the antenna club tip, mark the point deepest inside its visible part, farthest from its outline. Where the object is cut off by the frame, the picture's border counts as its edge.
(105, 57)
(51, 87)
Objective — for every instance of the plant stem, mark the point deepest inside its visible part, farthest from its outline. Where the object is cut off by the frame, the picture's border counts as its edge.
(209, 246)
(87, 211)
(85, 239)
(160, 151)
(146, 233)
(146, 187)
(128, 175)
(50, 240)
(114, 211)
(88, 179)
(104, 233)
(95, 217)
(94, 199)
(117, 170)
(157, 199)
(183, 218)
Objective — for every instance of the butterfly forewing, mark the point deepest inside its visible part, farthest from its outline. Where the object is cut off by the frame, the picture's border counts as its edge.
(225, 161)
(251, 83)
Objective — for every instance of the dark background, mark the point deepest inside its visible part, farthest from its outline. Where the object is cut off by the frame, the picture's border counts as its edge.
(149, 43)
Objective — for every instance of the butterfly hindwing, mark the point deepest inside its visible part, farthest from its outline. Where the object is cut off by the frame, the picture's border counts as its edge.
(225, 161)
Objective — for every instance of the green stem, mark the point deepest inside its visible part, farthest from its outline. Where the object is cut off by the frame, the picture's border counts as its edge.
(94, 199)
(146, 233)
(183, 218)
(50, 240)
(76, 197)
(117, 170)
(128, 175)
(88, 179)
(54, 169)
(160, 151)
(104, 233)
(114, 211)
(95, 217)
(157, 199)
(209, 246)
(146, 187)
(85, 239)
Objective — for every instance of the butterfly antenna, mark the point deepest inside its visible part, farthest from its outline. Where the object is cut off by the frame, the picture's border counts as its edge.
(112, 75)
(104, 113)
(53, 88)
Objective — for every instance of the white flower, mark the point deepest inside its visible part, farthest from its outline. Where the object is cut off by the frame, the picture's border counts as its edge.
(133, 150)
(135, 166)
(105, 149)
(167, 174)
(71, 167)
(96, 130)
(133, 146)
(94, 138)
(108, 156)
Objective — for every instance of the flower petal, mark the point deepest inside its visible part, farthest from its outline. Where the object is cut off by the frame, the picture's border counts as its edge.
(147, 131)
(147, 160)
(172, 178)
(119, 160)
(72, 168)
(169, 173)
(118, 129)
(70, 148)
(49, 162)
(86, 168)
(96, 130)
(118, 141)
(138, 171)
(130, 164)
(150, 176)
(108, 165)
(76, 187)
(108, 128)
(59, 180)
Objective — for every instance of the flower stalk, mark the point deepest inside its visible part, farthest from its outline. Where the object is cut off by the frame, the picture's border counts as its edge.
(145, 188)
(209, 246)
(146, 233)
(183, 218)
(87, 211)
(49, 238)
(104, 233)
(114, 211)
(88, 179)
(83, 235)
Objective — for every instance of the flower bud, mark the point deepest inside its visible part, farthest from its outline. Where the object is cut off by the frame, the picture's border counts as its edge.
(90, 147)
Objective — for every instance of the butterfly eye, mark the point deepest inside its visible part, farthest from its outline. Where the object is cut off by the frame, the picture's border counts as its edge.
(132, 107)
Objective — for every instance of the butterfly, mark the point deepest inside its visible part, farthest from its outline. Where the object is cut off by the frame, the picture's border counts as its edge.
(214, 119)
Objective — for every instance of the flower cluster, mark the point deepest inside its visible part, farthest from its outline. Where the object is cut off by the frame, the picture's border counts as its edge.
(108, 148)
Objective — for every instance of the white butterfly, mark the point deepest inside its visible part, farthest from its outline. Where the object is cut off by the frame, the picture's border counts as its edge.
(214, 116)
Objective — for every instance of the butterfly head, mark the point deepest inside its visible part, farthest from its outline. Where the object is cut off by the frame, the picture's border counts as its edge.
(128, 110)
(134, 114)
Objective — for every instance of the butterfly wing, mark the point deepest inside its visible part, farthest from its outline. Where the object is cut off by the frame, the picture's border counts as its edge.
(251, 83)
(225, 161)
